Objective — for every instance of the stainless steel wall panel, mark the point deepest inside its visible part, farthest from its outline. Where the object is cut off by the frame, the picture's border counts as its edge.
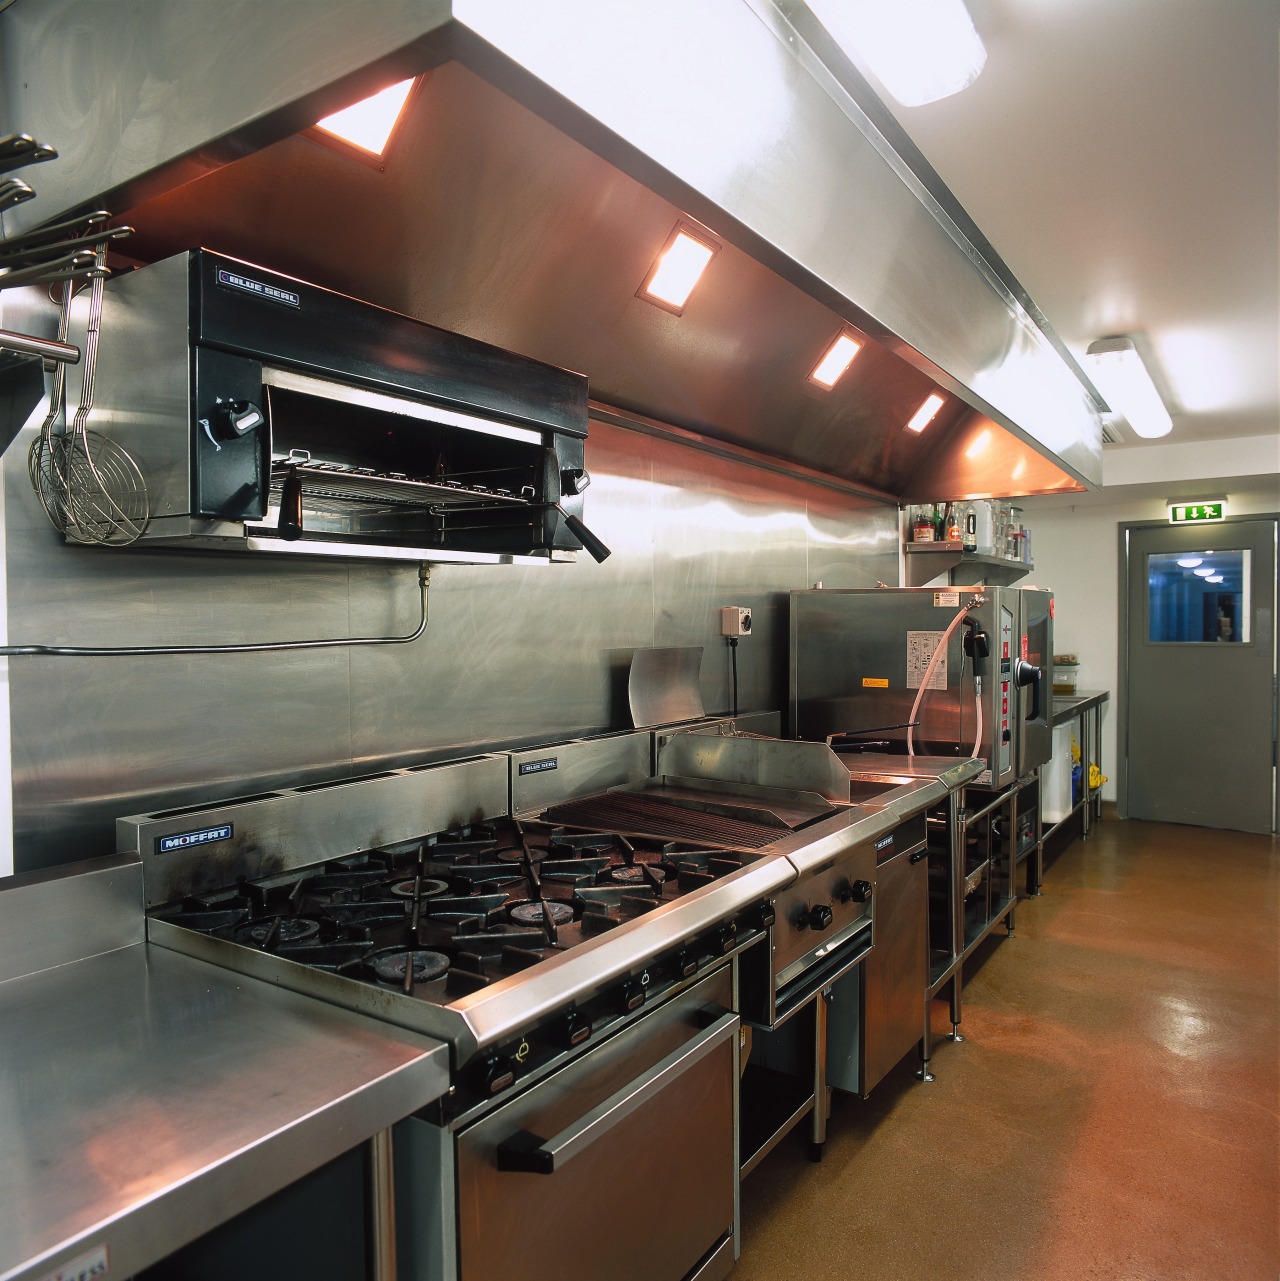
(512, 656)
(732, 540)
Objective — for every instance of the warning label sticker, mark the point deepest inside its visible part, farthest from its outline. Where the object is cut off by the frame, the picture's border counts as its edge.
(920, 649)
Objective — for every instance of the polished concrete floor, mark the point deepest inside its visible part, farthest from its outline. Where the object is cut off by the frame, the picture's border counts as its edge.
(1113, 1112)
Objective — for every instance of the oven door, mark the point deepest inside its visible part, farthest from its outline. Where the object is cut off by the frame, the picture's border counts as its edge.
(623, 1164)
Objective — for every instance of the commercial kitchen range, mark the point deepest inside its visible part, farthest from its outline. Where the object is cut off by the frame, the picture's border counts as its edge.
(596, 930)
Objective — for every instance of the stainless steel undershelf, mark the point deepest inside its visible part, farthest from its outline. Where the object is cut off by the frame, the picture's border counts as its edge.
(146, 1097)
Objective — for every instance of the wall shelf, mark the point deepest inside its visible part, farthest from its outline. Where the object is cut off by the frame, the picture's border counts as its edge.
(927, 561)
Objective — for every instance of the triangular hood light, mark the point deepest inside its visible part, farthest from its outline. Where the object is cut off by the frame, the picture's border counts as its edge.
(368, 124)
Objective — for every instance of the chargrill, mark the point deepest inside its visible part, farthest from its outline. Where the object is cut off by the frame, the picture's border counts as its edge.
(641, 815)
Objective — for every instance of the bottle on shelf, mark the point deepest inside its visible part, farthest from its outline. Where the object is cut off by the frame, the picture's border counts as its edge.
(951, 519)
(922, 526)
(970, 535)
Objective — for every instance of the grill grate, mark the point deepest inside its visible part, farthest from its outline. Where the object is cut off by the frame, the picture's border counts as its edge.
(648, 816)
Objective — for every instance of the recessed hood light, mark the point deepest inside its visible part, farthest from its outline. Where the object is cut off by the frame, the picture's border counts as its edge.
(1213, 578)
(368, 124)
(926, 413)
(838, 358)
(1190, 562)
(1203, 572)
(678, 268)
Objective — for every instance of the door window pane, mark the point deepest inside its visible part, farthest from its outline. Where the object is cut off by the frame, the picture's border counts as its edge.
(1198, 597)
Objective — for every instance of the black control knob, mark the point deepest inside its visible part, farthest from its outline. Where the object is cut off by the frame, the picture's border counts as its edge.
(767, 915)
(844, 893)
(725, 939)
(631, 996)
(495, 1074)
(237, 417)
(573, 480)
(685, 964)
(818, 917)
(861, 891)
(576, 1029)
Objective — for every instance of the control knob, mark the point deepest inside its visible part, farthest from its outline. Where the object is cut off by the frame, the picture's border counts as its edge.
(725, 939)
(861, 891)
(495, 1075)
(816, 918)
(237, 418)
(576, 1029)
(631, 996)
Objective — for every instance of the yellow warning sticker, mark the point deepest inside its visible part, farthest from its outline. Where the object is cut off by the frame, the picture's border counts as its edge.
(875, 682)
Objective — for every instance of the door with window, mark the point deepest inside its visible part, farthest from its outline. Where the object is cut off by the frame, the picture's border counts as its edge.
(1199, 678)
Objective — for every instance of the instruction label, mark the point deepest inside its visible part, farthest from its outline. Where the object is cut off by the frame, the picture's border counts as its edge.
(946, 600)
(920, 648)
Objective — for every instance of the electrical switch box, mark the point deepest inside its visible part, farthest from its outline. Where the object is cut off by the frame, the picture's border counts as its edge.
(735, 620)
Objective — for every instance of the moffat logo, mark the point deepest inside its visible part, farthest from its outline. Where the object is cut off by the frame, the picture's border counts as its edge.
(185, 840)
(884, 842)
(259, 288)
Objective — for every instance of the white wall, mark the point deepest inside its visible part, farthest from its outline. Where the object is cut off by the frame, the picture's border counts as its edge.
(1076, 548)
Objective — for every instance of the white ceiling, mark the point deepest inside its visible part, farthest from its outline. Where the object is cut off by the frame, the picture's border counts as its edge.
(1121, 156)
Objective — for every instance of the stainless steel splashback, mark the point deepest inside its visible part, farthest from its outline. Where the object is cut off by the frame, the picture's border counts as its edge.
(201, 849)
(540, 657)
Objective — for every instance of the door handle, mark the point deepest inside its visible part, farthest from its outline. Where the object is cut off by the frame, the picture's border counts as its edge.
(1025, 674)
(528, 1153)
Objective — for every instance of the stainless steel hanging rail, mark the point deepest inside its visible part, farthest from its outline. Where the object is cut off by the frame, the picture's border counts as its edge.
(46, 348)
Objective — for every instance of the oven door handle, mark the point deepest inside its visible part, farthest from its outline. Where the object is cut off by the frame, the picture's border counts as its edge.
(528, 1153)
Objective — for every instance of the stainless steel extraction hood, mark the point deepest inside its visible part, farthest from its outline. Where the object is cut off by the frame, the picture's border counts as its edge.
(547, 155)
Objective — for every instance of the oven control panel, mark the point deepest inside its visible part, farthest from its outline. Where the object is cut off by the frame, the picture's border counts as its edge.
(570, 1031)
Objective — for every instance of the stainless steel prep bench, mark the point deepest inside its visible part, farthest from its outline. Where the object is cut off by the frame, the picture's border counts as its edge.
(147, 1097)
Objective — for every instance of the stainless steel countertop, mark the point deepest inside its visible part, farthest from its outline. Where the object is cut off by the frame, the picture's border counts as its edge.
(951, 771)
(146, 1097)
(1067, 707)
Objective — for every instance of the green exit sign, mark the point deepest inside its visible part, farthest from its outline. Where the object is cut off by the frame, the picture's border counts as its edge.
(1194, 513)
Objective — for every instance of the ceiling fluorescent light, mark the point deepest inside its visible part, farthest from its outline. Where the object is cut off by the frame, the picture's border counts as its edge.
(1203, 572)
(1122, 378)
(926, 413)
(920, 50)
(368, 124)
(1213, 578)
(1190, 562)
(838, 358)
(679, 267)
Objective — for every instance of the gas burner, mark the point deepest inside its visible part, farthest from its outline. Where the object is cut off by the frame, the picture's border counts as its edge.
(515, 853)
(634, 874)
(390, 967)
(533, 913)
(429, 889)
(292, 929)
